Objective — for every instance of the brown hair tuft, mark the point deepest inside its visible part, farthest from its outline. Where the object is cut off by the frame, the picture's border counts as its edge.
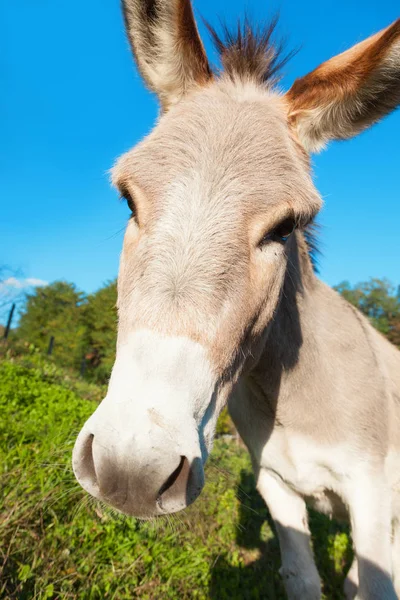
(250, 52)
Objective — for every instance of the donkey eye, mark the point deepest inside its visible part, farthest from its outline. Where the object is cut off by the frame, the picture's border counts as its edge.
(281, 232)
(284, 229)
(130, 202)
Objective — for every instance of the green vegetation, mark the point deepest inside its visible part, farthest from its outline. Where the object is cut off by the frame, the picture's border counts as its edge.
(54, 310)
(57, 543)
(84, 327)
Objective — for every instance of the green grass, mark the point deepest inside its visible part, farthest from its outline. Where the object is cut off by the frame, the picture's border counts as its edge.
(57, 543)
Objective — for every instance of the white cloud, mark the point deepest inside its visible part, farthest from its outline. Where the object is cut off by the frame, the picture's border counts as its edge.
(13, 282)
(36, 282)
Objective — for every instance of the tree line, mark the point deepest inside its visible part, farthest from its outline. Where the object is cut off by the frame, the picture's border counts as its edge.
(379, 300)
(85, 325)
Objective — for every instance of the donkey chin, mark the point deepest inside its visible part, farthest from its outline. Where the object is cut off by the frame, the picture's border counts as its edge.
(143, 450)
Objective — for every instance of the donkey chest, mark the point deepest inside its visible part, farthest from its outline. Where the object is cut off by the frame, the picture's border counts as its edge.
(310, 469)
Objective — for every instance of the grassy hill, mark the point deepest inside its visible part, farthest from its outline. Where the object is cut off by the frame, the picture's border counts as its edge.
(55, 542)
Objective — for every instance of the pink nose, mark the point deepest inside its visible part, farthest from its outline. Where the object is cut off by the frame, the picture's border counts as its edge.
(139, 480)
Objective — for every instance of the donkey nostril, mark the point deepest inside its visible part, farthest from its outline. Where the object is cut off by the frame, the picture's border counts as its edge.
(182, 487)
(86, 469)
(172, 478)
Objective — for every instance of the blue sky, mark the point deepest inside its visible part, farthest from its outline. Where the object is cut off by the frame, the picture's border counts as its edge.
(71, 102)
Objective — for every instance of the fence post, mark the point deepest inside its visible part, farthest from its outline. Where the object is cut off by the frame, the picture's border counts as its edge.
(51, 346)
(8, 326)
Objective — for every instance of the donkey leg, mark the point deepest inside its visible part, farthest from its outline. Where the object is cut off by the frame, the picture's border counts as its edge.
(396, 555)
(351, 582)
(370, 510)
(288, 510)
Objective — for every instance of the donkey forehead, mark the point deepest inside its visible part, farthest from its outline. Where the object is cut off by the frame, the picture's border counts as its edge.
(235, 138)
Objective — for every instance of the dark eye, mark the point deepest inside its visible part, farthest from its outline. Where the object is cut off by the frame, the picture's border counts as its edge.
(130, 202)
(281, 232)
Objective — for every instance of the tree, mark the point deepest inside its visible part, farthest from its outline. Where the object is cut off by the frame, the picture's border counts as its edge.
(100, 321)
(379, 300)
(55, 310)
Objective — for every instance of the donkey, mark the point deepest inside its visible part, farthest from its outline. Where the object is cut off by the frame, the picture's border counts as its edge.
(218, 300)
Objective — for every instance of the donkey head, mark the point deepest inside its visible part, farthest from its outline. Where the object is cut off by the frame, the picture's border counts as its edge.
(216, 192)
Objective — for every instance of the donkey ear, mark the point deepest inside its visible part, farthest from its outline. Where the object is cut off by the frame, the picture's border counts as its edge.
(167, 46)
(348, 93)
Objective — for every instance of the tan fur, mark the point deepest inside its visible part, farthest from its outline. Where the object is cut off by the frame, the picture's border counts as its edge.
(314, 390)
(348, 93)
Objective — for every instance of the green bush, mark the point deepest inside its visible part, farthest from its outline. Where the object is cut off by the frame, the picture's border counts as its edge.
(55, 542)
(224, 424)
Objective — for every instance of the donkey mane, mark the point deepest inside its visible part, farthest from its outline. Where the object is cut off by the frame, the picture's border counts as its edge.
(249, 52)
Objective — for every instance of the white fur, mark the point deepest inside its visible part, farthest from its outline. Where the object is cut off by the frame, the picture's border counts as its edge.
(167, 379)
(159, 410)
(289, 512)
(293, 467)
(305, 465)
